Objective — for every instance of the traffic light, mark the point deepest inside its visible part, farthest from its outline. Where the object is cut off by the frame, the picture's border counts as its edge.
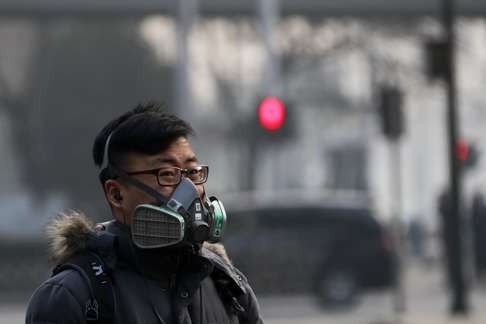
(271, 113)
(390, 112)
(274, 118)
(466, 153)
(462, 150)
(436, 58)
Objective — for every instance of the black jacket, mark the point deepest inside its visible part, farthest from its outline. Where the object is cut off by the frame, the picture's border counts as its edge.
(169, 288)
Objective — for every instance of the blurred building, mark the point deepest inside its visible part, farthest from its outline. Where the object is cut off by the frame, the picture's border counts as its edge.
(58, 71)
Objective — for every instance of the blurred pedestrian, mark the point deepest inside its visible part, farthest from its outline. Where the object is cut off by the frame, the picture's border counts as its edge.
(416, 236)
(447, 222)
(158, 260)
(478, 218)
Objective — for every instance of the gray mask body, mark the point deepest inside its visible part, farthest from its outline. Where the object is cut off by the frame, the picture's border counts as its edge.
(183, 220)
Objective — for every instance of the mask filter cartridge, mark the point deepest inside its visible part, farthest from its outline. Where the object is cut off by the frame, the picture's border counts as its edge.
(156, 227)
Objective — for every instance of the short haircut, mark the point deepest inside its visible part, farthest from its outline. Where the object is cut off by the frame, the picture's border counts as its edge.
(146, 129)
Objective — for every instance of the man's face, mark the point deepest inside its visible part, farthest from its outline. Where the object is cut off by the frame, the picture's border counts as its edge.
(179, 154)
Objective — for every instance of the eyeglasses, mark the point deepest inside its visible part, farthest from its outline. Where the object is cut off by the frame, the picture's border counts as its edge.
(173, 175)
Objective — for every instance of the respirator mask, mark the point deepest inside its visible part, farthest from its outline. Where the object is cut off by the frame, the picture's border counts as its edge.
(181, 220)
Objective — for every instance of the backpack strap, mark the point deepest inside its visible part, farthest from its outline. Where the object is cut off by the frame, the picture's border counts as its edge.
(99, 308)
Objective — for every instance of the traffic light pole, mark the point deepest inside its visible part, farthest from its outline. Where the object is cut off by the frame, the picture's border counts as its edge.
(269, 12)
(459, 303)
(397, 226)
(186, 16)
(269, 15)
(390, 111)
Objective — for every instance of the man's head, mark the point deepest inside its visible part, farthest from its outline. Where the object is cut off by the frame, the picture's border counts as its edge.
(151, 147)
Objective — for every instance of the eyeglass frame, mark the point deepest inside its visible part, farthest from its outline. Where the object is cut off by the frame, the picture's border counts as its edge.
(156, 172)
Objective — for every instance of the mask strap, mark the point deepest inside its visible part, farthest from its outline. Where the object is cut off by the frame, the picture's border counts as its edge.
(105, 163)
(140, 185)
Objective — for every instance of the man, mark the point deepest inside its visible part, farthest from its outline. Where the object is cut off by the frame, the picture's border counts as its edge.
(153, 262)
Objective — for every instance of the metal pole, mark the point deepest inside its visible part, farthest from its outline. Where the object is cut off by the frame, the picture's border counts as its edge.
(269, 13)
(186, 13)
(459, 304)
(269, 16)
(397, 224)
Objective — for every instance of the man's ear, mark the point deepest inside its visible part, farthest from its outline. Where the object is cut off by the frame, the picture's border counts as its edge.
(113, 193)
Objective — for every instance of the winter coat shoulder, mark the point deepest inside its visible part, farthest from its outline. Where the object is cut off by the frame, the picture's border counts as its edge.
(205, 289)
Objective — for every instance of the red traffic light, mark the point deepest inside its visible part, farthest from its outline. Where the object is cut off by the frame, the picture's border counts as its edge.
(271, 113)
(462, 150)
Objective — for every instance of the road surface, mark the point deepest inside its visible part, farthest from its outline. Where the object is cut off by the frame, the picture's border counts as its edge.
(426, 302)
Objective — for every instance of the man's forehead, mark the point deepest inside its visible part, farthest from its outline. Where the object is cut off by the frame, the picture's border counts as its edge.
(179, 151)
(172, 158)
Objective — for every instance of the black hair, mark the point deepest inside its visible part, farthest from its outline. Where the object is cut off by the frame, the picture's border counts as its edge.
(145, 129)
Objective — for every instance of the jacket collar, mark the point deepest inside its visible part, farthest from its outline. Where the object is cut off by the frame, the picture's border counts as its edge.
(224, 270)
(70, 233)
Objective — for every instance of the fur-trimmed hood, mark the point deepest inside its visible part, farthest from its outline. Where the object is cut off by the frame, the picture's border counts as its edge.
(68, 233)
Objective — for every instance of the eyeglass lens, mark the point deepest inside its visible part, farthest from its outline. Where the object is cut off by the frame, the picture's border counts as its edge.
(172, 176)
